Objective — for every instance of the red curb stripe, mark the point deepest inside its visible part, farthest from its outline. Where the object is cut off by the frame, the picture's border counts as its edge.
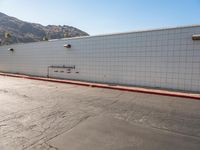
(122, 88)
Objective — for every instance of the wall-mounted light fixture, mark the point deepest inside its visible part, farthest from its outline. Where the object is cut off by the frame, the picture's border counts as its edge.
(196, 37)
(11, 49)
(67, 46)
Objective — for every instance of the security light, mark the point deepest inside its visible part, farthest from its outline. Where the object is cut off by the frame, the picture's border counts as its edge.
(11, 49)
(67, 46)
(196, 37)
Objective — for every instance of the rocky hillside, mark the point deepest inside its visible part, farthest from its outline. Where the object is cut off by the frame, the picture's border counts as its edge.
(13, 30)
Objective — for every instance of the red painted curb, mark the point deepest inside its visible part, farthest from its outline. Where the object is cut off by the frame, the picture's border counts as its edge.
(122, 88)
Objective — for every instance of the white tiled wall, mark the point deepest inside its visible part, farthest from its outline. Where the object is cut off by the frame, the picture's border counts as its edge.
(167, 58)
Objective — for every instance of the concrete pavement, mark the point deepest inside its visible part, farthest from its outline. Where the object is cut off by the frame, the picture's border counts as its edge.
(38, 115)
(114, 134)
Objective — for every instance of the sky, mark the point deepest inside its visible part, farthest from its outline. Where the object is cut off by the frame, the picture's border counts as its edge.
(106, 16)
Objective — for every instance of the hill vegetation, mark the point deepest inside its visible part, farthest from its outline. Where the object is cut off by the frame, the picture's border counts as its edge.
(13, 30)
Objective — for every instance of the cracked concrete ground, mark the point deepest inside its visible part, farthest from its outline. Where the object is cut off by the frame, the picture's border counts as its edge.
(37, 115)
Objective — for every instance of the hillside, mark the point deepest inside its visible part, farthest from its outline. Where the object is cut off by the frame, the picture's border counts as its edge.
(13, 30)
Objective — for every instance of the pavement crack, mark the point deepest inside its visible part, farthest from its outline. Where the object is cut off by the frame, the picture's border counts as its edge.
(115, 101)
(80, 121)
(50, 147)
(2, 125)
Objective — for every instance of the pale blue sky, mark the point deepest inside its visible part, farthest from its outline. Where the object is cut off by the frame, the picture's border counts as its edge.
(106, 16)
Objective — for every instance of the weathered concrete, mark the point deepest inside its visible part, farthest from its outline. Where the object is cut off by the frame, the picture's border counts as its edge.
(34, 115)
(114, 134)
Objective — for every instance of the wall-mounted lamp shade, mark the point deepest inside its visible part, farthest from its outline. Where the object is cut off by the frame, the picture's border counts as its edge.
(196, 37)
(67, 46)
(11, 49)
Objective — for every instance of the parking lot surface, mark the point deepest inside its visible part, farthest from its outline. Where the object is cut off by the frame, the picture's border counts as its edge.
(38, 115)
